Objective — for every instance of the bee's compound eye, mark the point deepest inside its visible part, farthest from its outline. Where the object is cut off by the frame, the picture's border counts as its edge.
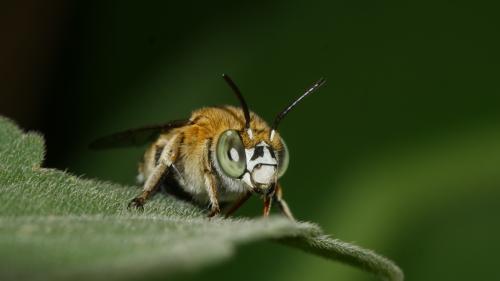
(231, 154)
(284, 159)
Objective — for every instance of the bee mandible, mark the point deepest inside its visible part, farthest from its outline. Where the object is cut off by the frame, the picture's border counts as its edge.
(218, 157)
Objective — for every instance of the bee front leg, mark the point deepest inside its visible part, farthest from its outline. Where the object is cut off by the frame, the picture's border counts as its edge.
(212, 194)
(210, 182)
(167, 158)
(278, 198)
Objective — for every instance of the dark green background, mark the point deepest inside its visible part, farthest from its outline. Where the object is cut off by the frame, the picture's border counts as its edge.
(399, 152)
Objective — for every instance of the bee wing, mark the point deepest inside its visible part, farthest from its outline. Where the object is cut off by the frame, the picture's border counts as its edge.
(135, 137)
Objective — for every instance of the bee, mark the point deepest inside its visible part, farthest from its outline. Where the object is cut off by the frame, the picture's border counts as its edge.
(216, 159)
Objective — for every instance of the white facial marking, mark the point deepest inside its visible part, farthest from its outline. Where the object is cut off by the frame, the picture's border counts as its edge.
(265, 159)
(261, 170)
(234, 154)
(264, 174)
(273, 132)
(249, 154)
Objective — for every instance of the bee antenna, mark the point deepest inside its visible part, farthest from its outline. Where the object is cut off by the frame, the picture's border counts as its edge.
(238, 94)
(285, 111)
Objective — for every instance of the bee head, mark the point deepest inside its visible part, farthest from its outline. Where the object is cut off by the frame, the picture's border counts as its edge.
(257, 160)
(258, 165)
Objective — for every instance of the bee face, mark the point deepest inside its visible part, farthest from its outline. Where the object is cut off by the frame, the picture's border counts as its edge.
(258, 165)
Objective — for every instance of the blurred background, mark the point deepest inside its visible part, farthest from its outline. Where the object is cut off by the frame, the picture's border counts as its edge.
(399, 152)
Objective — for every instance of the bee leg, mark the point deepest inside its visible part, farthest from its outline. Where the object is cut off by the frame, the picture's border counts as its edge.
(212, 194)
(278, 198)
(267, 205)
(152, 183)
(167, 158)
(210, 182)
(238, 204)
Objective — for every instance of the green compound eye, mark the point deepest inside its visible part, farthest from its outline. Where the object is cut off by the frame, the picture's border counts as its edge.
(284, 159)
(231, 154)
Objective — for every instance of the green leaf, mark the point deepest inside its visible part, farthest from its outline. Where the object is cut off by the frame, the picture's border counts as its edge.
(54, 225)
